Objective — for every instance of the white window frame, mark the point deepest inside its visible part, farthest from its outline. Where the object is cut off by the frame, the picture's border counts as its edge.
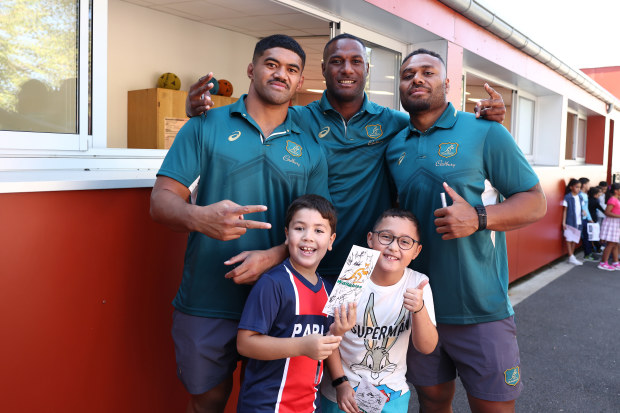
(516, 96)
(80, 141)
(33, 162)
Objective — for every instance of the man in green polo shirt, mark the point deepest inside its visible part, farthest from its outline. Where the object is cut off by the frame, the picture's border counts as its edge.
(252, 159)
(353, 133)
(493, 189)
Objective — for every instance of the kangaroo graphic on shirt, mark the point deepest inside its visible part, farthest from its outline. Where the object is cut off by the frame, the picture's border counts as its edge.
(378, 341)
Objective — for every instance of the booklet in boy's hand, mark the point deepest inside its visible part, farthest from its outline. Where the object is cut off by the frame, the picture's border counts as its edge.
(368, 398)
(357, 269)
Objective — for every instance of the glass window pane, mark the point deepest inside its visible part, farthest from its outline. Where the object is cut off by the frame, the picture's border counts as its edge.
(38, 65)
(381, 85)
(525, 128)
(581, 139)
(570, 136)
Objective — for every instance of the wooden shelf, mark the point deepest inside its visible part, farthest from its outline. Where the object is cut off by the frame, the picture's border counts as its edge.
(154, 116)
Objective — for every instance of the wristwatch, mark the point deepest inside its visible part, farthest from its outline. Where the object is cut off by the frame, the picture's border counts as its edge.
(482, 217)
(339, 381)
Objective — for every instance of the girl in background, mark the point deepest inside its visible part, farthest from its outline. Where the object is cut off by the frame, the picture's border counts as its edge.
(610, 229)
(572, 218)
(594, 207)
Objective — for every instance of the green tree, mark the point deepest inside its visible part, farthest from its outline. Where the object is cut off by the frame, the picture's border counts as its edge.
(38, 40)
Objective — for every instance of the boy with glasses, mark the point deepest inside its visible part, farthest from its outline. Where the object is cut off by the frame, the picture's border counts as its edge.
(396, 303)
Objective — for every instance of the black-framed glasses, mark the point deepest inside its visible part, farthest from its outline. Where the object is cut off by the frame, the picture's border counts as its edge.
(405, 242)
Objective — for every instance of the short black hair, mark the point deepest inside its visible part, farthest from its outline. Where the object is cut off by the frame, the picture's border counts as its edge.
(424, 51)
(397, 213)
(584, 181)
(279, 40)
(316, 203)
(339, 37)
(593, 191)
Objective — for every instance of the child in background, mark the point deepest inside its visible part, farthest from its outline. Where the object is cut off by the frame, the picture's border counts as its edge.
(604, 187)
(594, 208)
(601, 215)
(397, 304)
(572, 218)
(585, 218)
(610, 229)
(282, 326)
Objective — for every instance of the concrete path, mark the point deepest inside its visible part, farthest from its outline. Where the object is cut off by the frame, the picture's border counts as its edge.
(568, 326)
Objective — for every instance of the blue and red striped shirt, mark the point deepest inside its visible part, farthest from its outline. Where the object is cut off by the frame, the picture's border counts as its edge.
(283, 304)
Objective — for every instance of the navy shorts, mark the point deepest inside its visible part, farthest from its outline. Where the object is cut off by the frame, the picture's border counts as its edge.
(485, 355)
(206, 350)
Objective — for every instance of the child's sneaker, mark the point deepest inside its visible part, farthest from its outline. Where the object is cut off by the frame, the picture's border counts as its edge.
(573, 260)
(589, 257)
(605, 266)
(616, 266)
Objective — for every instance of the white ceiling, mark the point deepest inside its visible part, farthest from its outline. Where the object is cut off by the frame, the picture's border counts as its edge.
(257, 18)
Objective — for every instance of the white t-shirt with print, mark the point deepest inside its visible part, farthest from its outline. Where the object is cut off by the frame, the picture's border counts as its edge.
(376, 347)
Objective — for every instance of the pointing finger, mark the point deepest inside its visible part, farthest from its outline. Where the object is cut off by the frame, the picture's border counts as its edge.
(492, 92)
(245, 223)
(203, 81)
(247, 209)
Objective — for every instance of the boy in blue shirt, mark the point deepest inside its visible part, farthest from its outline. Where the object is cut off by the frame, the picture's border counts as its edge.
(282, 326)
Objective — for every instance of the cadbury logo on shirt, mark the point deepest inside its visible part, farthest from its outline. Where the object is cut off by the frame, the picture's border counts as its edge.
(301, 330)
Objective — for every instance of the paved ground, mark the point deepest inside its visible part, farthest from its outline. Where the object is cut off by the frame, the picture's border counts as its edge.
(568, 326)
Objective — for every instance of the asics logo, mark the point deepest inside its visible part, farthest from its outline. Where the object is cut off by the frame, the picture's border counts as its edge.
(234, 136)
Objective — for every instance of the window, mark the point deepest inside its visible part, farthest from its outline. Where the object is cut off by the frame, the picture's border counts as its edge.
(525, 125)
(382, 86)
(45, 57)
(575, 137)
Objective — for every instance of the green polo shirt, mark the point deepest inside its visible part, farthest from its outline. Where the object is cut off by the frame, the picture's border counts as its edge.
(469, 276)
(359, 183)
(234, 162)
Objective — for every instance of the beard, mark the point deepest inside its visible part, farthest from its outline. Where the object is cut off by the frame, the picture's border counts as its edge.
(417, 106)
(436, 99)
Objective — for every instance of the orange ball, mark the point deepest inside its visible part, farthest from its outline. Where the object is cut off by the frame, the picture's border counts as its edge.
(226, 88)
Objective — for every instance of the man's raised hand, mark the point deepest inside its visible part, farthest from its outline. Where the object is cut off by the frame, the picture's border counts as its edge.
(493, 108)
(199, 98)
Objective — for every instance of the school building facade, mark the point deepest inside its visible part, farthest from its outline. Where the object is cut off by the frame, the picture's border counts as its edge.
(87, 278)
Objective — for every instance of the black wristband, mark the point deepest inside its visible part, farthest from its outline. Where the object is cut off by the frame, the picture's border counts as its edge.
(482, 217)
(415, 312)
(339, 381)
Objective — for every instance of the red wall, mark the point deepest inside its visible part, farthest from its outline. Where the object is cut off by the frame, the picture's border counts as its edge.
(595, 142)
(86, 285)
(608, 77)
(87, 280)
